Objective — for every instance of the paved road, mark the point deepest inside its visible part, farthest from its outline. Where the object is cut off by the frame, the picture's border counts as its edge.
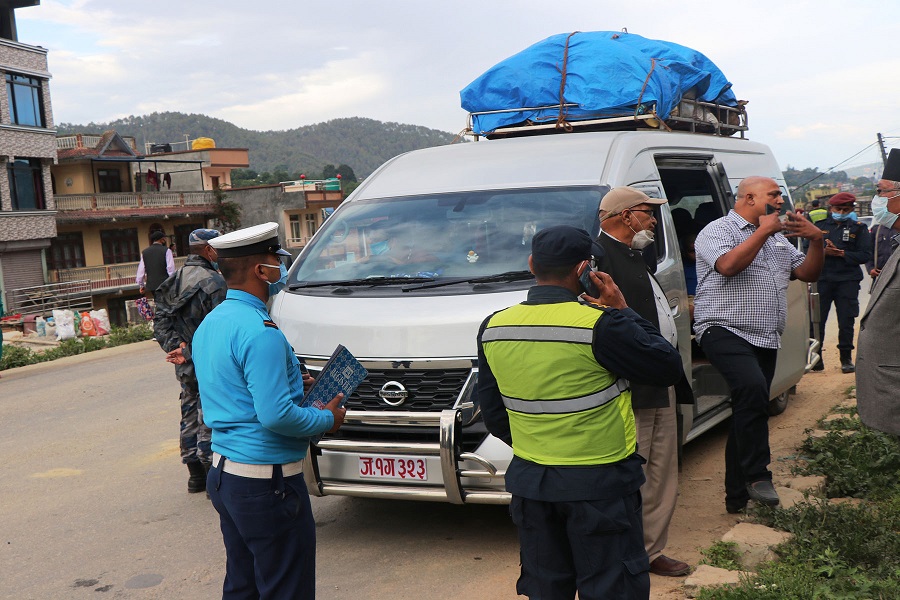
(93, 502)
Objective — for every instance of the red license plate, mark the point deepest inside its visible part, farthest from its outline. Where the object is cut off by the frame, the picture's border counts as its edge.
(393, 467)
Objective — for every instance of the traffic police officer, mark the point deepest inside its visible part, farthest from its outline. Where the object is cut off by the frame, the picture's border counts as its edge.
(816, 212)
(847, 246)
(252, 388)
(553, 383)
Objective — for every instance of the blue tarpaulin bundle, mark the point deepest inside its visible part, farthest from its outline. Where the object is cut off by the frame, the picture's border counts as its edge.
(601, 73)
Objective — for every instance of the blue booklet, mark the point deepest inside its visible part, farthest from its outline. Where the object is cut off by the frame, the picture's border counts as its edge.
(342, 373)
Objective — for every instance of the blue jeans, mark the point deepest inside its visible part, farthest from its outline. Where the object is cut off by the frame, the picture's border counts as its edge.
(269, 534)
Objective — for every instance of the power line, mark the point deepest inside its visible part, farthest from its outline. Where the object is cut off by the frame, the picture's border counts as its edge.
(829, 170)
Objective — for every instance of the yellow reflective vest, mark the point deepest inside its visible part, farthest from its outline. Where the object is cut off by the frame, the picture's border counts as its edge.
(564, 408)
(817, 214)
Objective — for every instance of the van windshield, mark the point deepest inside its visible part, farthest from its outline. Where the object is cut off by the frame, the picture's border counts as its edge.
(458, 235)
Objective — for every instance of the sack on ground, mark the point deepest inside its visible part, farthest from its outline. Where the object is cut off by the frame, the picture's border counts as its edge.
(87, 325)
(101, 321)
(65, 324)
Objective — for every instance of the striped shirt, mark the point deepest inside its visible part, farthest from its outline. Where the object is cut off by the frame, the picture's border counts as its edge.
(753, 303)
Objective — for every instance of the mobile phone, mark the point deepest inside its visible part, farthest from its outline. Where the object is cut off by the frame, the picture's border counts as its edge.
(782, 212)
(303, 369)
(586, 283)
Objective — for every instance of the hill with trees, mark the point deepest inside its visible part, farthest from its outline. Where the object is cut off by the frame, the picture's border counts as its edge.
(357, 143)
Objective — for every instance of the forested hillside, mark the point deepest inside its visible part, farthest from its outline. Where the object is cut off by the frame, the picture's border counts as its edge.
(362, 144)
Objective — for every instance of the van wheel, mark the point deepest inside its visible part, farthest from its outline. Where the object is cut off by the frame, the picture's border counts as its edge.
(778, 404)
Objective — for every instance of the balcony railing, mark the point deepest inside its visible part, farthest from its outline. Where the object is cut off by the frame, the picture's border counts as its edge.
(106, 277)
(118, 201)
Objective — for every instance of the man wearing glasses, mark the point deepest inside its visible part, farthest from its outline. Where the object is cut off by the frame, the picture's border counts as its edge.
(627, 223)
(878, 359)
(847, 246)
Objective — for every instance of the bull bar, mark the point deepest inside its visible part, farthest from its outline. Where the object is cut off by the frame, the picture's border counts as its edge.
(448, 422)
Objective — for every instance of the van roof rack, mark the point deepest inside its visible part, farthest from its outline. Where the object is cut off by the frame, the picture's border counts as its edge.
(689, 115)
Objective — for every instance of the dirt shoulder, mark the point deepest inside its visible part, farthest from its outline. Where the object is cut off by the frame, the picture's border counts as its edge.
(700, 518)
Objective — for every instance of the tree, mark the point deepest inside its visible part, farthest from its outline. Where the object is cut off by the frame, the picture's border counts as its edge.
(346, 173)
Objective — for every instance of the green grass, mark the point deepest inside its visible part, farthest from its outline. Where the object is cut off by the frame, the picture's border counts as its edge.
(15, 356)
(843, 551)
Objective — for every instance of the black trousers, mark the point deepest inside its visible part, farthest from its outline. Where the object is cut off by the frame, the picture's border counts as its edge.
(593, 546)
(748, 370)
(269, 534)
(845, 296)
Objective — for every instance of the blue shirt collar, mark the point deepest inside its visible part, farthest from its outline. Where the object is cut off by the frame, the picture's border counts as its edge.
(245, 297)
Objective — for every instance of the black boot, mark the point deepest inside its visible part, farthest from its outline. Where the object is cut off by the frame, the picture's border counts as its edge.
(819, 366)
(847, 365)
(197, 480)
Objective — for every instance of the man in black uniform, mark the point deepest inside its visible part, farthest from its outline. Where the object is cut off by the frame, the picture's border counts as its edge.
(553, 383)
(847, 246)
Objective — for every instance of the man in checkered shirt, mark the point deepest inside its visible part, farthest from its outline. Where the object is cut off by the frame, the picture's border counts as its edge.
(744, 265)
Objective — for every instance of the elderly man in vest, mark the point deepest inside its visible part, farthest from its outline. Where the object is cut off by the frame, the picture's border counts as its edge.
(628, 221)
(553, 383)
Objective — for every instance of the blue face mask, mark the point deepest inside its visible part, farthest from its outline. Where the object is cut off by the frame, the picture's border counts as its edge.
(379, 247)
(279, 285)
(844, 216)
(881, 214)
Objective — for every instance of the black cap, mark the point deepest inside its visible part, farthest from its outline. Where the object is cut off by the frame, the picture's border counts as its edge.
(892, 167)
(157, 235)
(563, 245)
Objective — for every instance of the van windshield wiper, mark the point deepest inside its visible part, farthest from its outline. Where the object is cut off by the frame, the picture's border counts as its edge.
(364, 282)
(498, 278)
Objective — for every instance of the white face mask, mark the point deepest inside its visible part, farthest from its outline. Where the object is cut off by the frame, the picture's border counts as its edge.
(642, 238)
(881, 214)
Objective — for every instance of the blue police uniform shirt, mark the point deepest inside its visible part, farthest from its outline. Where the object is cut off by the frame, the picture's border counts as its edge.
(251, 386)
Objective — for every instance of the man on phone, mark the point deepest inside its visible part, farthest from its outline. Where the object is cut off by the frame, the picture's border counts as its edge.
(744, 266)
(553, 383)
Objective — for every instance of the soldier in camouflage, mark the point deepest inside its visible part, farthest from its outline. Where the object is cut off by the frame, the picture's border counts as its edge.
(182, 301)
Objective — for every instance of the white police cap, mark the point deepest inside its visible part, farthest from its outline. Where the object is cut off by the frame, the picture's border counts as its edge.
(259, 239)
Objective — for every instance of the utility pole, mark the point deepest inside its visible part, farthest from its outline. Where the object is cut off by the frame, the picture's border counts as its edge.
(883, 152)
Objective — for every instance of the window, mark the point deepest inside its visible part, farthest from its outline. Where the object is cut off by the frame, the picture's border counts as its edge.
(109, 180)
(26, 184)
(119, 245)
(302, 227)
(24, 94)
(67, 251)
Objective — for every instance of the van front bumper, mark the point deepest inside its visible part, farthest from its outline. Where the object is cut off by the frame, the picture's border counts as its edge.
(462, 478)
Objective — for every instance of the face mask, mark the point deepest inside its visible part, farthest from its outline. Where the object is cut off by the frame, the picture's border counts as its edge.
(642, 238)
(844, 216)
(379, 247)
(279, 285)
(881, 214)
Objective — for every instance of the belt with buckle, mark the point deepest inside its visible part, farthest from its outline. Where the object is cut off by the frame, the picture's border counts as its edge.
(255, 471)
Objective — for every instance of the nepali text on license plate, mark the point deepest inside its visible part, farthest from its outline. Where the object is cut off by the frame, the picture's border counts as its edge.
(393, 467)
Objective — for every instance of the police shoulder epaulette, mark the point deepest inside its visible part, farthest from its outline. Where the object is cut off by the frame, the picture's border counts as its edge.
(597, 305)
(270, 323)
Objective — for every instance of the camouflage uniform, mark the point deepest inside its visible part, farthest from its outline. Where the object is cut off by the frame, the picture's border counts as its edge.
(182, 301)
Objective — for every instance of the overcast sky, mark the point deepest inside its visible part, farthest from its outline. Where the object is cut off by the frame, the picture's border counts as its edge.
(821, 77)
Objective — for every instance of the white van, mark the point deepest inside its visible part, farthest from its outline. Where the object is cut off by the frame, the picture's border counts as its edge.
(406, 269)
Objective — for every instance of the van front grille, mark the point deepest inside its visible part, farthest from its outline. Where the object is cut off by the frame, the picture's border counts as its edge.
(429, 390)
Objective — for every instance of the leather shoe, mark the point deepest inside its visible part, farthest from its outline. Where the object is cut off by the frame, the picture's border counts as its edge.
(669, 567)
(763, 492)
(848, 367)
(819, 366)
